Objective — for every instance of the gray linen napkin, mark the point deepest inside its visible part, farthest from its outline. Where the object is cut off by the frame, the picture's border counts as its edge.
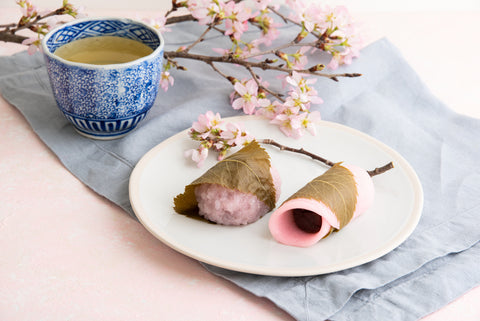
(436, 264)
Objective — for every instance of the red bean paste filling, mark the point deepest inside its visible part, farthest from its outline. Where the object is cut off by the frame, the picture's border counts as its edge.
(306, 220)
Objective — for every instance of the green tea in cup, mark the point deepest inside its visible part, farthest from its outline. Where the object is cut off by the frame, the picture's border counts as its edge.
(103, 50)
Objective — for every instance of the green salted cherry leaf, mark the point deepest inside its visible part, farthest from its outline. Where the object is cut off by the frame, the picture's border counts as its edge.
(336, 188)
(247, 171)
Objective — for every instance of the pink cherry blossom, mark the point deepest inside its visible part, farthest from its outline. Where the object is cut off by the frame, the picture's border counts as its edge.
(33, 44)
(309, 120)
(248, 96)
(205, 11)
(166, 80)
(271, 34)
(236, 18)
(268, 26)
(211, 134)
(297, 80)
(27, 8)
(52, 22)
(197, 155)
(290, 125)
(268, 109)
(300, 59)
(334, 62)
(206, 122)
(299, 100)
(235, 135)
(301, 86)
(159, 23)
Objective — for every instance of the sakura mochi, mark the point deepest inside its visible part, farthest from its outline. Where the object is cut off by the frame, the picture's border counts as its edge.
(326, 204)
(238, 190)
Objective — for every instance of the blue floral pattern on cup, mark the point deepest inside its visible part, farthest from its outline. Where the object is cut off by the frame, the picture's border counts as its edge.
(104, 101)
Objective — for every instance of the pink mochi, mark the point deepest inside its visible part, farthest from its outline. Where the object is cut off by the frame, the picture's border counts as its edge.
(226, 206)
(282, 225)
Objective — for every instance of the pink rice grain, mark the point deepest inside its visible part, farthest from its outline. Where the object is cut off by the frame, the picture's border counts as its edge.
(232, 207)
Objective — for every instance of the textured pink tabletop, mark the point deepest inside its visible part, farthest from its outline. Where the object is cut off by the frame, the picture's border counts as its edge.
(69, 254)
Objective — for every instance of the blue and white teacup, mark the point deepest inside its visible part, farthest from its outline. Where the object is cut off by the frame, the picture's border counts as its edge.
(104, 101)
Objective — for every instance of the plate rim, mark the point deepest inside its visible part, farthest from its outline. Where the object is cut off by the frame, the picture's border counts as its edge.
(376, 253)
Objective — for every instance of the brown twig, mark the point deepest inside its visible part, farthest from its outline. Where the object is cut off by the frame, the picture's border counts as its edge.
(260, 86)
(10, 25)
(296, 150)
(319, 36)
(7, 36)
(229, 78)
(374, 172)
(176, 19)
(200, 39)
(273, 50)
(261, 65)
(9, 33)
(380, 170)
(31, 23)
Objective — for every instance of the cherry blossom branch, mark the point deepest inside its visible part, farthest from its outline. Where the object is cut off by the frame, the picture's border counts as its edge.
(37, 19)
(264, 65)
(229, 78)
(200, 39)
(374, 172)
(296, 150)
(288, 20)
(33, 21)
(380, 170)
(8, 25)
(177, 19)
(281, 47)
(8, 36)
(261, 87)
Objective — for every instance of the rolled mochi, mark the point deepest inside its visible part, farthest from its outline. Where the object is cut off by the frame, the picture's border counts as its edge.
(329, 202)
(238, 190)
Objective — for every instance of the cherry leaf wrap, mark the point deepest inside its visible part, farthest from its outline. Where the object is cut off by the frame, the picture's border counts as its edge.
(336, 188)
(247, 170)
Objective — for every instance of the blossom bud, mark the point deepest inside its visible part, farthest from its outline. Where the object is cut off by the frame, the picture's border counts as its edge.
(317, 67)
(301, 36)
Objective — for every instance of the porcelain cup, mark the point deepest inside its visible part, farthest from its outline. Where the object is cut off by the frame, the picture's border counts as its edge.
(104, 101)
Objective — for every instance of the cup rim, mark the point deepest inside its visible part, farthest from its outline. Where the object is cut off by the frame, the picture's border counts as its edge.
(50, 54)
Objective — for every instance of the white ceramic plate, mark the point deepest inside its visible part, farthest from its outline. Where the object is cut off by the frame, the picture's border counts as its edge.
(163, 173)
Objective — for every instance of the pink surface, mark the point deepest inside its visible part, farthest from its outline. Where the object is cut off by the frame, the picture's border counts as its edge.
(284, 230)
(69, 254)
(365, 189)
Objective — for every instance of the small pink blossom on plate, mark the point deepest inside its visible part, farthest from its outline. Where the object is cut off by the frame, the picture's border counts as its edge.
(235, 135)
(197, 155)
(212, 133)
